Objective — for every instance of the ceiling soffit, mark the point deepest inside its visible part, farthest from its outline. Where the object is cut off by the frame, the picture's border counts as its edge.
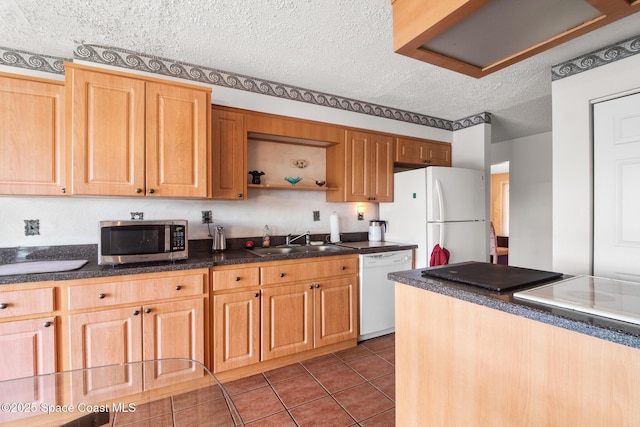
(479, 37)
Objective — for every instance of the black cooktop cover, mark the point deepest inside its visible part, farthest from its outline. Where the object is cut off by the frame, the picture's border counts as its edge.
(495, 277)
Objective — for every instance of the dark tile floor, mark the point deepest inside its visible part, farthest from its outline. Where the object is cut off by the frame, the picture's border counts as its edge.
(354, 387)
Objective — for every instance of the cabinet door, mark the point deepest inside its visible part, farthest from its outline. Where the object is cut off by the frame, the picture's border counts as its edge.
(229, 147)
(439, 154)
(173, 330)
(107, 133)
(28, 349)
(177, 140)
(31, 137)
(381, 168)
(236, 330)
(102, 338)
(411, 151)
(335, 311)
(369, 167)
(287, 320)
(358, 166)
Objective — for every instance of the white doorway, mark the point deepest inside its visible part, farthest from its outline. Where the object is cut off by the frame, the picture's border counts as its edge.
(616, 188)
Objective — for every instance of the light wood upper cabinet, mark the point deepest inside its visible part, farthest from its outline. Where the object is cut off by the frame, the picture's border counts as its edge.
(369, 167)
(135, 137)
(423, 153)
(32, 132)
(229, 150)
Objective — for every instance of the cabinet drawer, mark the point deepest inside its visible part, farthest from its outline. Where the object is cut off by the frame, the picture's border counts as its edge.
(236, 278)
(134, 291)
(24, 302)
(308, 271)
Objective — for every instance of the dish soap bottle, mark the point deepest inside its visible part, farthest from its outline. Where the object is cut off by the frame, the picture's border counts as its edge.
(266, 237)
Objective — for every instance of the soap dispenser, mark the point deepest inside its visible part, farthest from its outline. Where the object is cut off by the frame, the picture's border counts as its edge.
(266, 237)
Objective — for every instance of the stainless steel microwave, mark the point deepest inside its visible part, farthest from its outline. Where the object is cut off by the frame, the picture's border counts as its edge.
(123, 242)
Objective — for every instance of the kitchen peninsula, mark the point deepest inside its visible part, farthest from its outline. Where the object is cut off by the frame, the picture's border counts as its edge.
(467, 356)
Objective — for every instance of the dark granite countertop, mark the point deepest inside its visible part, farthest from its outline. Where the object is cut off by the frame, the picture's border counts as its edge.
(200, 256)
(600, 327)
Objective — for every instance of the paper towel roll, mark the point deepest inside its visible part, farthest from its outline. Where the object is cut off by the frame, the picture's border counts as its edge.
(335, 228)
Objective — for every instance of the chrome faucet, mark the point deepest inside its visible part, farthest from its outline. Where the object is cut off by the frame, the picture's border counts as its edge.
(306, 235)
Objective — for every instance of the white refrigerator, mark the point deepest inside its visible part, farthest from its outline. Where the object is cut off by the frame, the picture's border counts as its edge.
(439, 205)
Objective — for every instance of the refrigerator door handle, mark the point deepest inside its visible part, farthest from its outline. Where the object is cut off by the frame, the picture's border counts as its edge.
(440, 200)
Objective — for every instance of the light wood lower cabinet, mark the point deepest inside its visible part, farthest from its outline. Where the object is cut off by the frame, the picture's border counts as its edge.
(287, 320)
(236, 338)
(28, 349)
(304, 316)
(138, 318)
(289, 308)
(335, 311)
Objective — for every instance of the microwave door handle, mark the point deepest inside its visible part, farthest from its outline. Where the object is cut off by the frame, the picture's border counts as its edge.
(167, 239)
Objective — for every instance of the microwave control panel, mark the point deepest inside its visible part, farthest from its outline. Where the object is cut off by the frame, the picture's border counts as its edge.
(178, 238)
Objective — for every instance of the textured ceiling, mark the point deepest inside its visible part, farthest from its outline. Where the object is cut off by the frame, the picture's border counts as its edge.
(341, 47)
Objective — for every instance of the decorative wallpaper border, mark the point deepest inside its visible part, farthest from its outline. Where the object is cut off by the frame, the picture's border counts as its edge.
(476, 119)
(598, 58)
(152, 64)
(31, 61)
(168, 67)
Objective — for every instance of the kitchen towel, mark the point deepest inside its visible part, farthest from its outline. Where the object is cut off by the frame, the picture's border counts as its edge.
(439, 256)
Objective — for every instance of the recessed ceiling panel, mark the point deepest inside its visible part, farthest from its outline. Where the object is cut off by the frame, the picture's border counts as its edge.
(503, 28)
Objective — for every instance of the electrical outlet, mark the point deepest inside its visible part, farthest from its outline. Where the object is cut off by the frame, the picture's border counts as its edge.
(137, 215)
(316, 215)
(207, 217)
(31, 227)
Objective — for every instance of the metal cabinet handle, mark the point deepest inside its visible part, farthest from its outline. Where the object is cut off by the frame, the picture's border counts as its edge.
(135, 313)
(178, 287)
(46, 324)
(151, 191)
(317, 285)
(239, 195)
(343, 267)
(257, 294)
(311, 286)
(101, 296)
(138, 190)
(3, 306)
(281, 274)
(237, 278)
(63, 190)
(147, 310)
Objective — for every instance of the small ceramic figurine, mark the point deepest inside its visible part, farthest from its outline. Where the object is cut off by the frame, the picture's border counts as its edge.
(256, 176)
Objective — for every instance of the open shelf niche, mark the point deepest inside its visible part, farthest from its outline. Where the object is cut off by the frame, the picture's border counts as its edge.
(280, 157)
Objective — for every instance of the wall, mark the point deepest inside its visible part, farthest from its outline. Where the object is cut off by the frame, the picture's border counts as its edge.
(530, 183)
(73, 220)
(572, 99)
(470, 149)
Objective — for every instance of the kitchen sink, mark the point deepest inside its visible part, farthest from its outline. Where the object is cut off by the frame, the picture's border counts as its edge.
(319, 248)
(283, 250)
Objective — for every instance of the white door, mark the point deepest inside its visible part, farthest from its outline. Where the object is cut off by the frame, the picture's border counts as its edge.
(616, 188)
(455, 194)
(465, 241)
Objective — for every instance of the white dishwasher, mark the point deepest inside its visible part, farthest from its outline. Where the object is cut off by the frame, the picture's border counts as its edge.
(377, 296)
